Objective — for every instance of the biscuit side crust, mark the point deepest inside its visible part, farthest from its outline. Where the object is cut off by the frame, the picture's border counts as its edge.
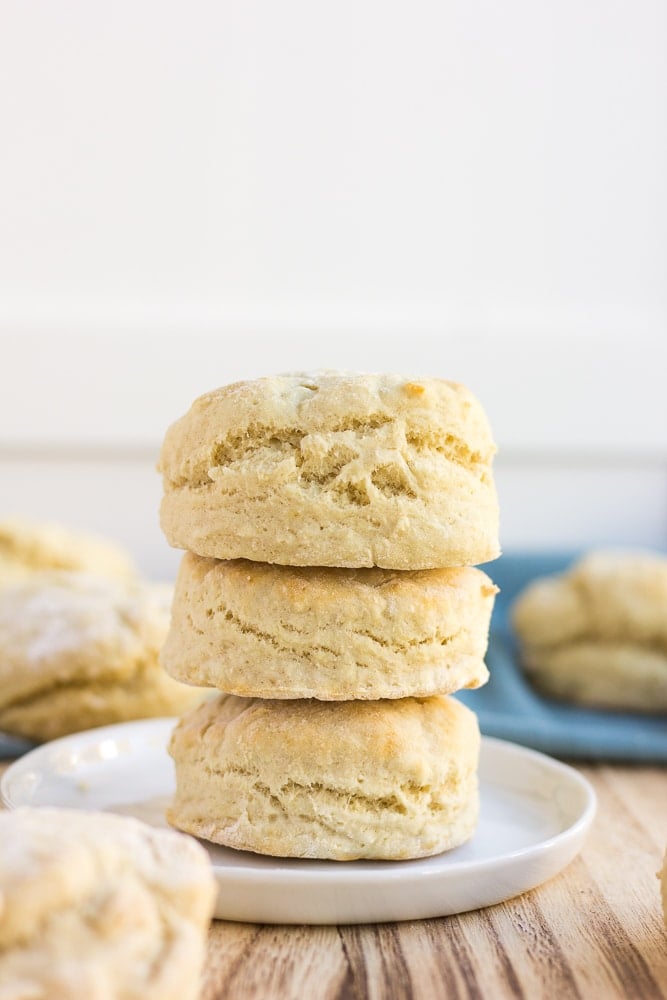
(601, 674)
(69, 707)
(312, 779)
(258, 630)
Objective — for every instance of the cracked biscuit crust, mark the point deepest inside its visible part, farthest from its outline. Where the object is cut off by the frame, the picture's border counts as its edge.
(597, 634)
(313, 779)
(266, 631)
(80, 651)
(94, 906)
(333, 469)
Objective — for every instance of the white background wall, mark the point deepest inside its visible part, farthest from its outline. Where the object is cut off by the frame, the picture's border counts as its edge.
(196, 192)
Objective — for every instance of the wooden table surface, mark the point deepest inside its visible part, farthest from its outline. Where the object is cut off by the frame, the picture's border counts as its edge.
(595, 931)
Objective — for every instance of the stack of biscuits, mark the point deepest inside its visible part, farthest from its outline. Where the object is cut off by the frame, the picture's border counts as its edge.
(332, 523)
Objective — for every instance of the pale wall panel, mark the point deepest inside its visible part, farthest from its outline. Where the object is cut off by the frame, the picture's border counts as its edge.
(570, 505)
(478, 155)
(556, 394)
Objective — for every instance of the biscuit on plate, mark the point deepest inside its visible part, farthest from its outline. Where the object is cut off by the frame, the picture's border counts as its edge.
(597, 633)
(80, 651)
(333, 469)
(27, 547)
(317, 779)
(265, 631)
(97, 907)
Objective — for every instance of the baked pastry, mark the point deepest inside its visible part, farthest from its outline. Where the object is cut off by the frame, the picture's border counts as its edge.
(27, 547)
(267, 631)
(333, 469)
(95, 906)
(662, 875)
(597, 634)
(80, 651)
(316, 779)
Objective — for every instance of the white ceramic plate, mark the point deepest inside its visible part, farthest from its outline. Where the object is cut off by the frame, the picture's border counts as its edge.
(535, 813)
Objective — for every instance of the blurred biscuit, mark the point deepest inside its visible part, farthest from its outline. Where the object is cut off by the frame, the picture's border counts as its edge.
(597, 634)
(80, 651)
(265, 631)
(95, 906)
(333, 469)
(315, 779)
(27, 547)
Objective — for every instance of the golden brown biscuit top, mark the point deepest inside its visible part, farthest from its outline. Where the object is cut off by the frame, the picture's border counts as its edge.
(408, 736)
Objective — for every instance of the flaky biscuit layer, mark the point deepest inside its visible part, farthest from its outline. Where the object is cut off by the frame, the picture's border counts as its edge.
(333, 469)
(258, 630)
(313, 779)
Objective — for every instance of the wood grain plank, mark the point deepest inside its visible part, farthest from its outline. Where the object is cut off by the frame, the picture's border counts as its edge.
(595, 930)
(540, 965)
(604, 959)
(643, 791)
(228, 948)
(377, 960)
(259, 962)
(440, 959)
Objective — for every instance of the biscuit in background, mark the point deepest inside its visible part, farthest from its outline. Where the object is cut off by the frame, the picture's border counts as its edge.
(597, 634)
(94, 906)
(28, 546)
(258, 630)
(80, 651)
(333, 469)
(339, 780)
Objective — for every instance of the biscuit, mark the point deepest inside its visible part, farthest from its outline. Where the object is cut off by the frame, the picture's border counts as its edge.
(95, 907)
(80, 651)
(333, 469)
(265, 631)
(27, 547)
(597, 634)
(339, 780)
(662, 875)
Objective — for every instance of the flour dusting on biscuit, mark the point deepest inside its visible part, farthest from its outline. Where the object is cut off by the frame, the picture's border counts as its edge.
(94, 905)
(80, 651)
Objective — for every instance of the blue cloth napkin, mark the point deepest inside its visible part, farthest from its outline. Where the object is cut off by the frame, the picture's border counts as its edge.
(13, 746)
(508, 707)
